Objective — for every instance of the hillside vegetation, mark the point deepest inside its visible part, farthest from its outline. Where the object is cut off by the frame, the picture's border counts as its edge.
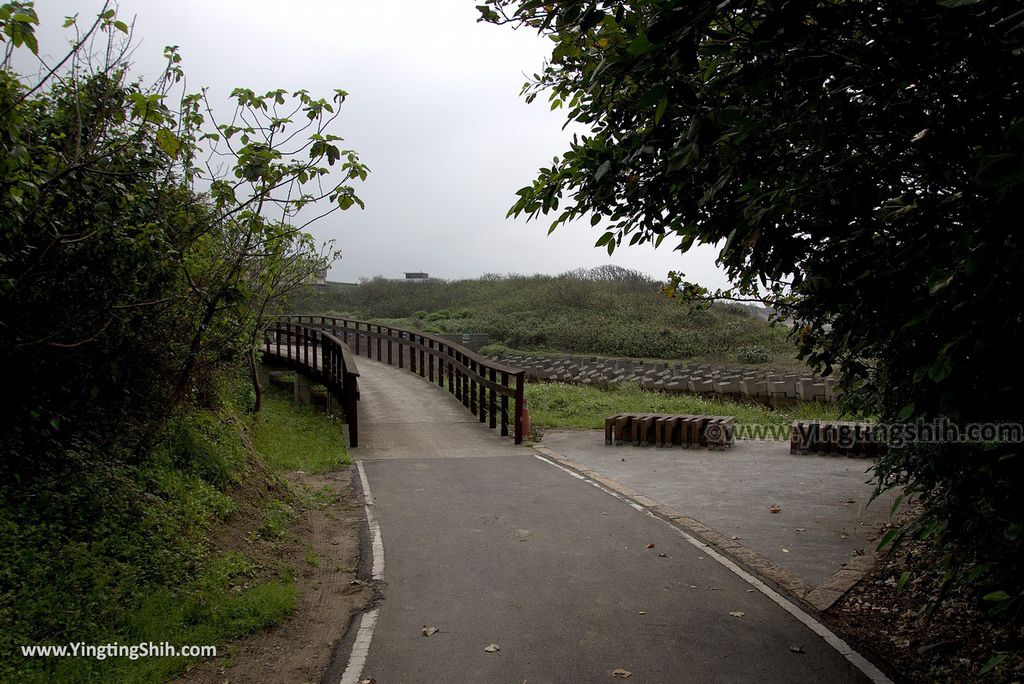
(156, 549)
(604, 311)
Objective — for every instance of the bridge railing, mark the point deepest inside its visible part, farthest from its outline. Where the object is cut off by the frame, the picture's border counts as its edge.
(484, 386)
(317, 352)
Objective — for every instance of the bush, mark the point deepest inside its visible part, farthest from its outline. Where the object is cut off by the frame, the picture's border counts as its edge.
(753, 354)
(607, 311)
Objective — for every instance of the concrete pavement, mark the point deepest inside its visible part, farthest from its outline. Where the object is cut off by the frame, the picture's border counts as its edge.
(825, 519)
(493, 545)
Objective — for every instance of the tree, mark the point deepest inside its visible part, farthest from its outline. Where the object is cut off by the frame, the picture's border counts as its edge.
(859, 164)
(143, 243)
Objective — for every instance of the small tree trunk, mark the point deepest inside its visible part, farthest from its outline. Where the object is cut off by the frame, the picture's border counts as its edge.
(257, 386)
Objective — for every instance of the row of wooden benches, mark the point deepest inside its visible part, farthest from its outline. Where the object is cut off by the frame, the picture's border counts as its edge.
(839, 438)
(689, 432)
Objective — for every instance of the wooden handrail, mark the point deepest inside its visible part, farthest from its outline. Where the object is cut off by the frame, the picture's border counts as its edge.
(483, 385)
(316, 352)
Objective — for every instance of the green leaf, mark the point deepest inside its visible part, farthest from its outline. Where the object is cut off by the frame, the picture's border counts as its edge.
(902, 582)
(991, 663)
(996, 596)
(640, 45)
(888, 539)
(940, 369)
(660, 111)
(906, 412)
(168, 142)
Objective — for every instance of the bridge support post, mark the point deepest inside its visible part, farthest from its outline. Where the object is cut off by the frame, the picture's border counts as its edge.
(303, 390)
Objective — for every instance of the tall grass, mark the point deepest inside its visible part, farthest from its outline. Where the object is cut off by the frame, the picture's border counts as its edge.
(291, 437)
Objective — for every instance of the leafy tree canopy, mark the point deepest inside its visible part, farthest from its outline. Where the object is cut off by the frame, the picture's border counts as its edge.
(859, 164)
(143, 240)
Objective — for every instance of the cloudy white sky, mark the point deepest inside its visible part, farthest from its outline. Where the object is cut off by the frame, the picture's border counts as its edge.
(434, 111)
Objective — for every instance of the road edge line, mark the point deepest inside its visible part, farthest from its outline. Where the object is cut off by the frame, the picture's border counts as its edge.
(368, 621)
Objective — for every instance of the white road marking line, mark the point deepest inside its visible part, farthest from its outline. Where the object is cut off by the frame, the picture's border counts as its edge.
(844, 649)
(376, 543)
(360, 648)
(368, 621)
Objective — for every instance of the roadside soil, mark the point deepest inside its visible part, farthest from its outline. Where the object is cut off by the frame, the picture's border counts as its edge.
(951, 643)
(321, 552)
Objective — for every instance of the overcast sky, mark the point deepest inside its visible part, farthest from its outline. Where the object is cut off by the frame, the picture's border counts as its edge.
(434, 110)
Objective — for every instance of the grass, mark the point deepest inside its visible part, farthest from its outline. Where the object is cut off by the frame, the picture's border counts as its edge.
(561, 405)
(291, 437)
(122, 553)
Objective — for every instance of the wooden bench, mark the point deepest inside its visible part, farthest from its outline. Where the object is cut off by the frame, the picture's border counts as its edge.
(688, 432)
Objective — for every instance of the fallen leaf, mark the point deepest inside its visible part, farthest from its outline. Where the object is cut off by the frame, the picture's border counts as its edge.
(843, 535)
(642, 612)
(851, 501)
(737, 613)
(662, 555)
(650, 546)
(785, 550)
(493, 648)
(750, 591)
(775, 509)
(427, 631)
(801, 529)
(622, 674)
(797, 649)
(735, 537)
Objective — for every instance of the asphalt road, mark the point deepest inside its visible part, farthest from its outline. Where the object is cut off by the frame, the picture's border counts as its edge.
(492, 545)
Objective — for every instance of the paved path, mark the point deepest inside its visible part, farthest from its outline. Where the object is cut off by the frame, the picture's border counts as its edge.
(493, 545)
(825, 520)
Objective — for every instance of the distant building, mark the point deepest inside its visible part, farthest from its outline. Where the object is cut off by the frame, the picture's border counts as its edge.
(416, 276)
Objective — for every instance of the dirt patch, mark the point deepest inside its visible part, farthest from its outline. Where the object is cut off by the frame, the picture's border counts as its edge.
(321, 551)
(951, 644)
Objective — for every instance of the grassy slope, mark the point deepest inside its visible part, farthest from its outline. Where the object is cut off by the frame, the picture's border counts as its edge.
(142, 567)
(558, 404)
(290, 437)
(579, 312)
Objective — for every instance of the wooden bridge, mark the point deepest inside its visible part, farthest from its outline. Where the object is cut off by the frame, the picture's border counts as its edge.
(324, 349)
